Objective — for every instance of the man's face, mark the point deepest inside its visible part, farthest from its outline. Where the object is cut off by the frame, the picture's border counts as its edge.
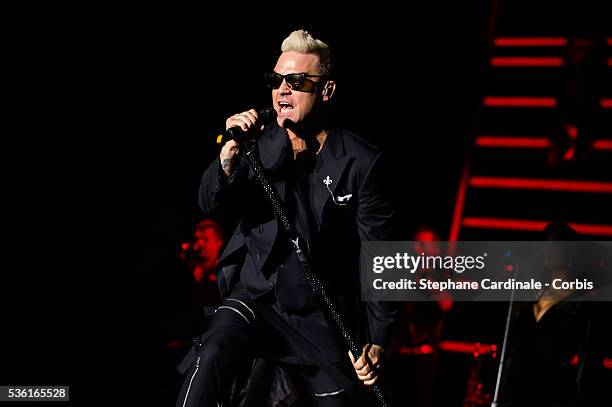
(207, 243)
(289, 103)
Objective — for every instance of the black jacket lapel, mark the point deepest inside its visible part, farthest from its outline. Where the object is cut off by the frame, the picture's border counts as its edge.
(331, 164)
(273, 148)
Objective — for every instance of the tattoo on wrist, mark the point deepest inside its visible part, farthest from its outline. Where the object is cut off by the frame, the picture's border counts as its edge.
(225, 164)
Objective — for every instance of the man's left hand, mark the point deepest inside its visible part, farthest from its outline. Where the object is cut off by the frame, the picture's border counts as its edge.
(367, 366)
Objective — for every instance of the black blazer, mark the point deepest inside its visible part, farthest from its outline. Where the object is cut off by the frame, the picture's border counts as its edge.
(353, 166)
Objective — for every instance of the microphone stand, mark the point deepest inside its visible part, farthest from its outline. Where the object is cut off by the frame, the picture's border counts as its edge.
(329, 306)
(504, 345)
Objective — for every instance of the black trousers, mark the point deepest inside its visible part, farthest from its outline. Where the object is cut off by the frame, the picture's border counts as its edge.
(243, 331)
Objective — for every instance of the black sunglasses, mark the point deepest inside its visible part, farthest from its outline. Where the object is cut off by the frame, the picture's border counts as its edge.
(295, 81)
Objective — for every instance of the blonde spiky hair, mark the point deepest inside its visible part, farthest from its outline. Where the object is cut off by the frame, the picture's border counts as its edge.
(303, 42)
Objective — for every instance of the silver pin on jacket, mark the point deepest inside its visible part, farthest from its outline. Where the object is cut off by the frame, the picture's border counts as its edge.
(342, 200)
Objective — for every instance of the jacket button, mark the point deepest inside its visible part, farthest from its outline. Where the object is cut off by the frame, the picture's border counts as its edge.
(282, 266)
(258, 256)
(271, 284)
(215, 188)
(261, 229)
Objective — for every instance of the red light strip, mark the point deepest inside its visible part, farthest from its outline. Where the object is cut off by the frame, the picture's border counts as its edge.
(531, 42)
(606, 103)
(417, 350)
(513, 142)
(450, 346)
(459, 204)
(609, 41)
(519, 101)
(602, 144)
(530, 142)
(542, 184)
(467, 347)
(532, 225)
(610, 62)
(607, 363)
(527, 61)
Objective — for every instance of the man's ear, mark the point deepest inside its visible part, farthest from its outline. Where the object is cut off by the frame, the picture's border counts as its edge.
(328, 90)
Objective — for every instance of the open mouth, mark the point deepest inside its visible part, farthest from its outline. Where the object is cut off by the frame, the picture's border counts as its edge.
(285, 107)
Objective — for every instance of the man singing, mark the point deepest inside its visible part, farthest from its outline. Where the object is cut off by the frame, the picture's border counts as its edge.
(331, 185)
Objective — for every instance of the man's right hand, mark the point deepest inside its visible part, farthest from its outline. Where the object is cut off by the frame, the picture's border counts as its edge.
(231, 149)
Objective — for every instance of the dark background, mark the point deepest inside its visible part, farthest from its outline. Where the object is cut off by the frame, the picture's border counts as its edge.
(114, 116)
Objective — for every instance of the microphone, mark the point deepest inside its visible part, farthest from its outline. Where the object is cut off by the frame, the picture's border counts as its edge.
(265, 116)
